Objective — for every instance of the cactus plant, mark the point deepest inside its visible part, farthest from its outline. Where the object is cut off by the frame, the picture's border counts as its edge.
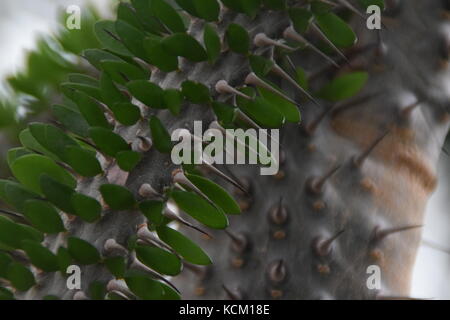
(362, 125)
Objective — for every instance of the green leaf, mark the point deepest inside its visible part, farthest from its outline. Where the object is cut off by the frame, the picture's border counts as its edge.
(164, 12)
(158, 56)
(91, 110)
(200, 209)
(195, 92)
(237, 38)
(5, 260)
(260, 110)
(146, 17)
(224, 112)
(95, 56)
(107, 36)
(260, 65)
(127, 160)
(6, 294)
(286, 108)
(212, 43)
(336, 30)
(173, 100)
(183, 246)
(82, 251)
(64, 259)
(52, 138)
(301, 18)
(126, 113)
(43, 216)
(83, 79)
(12, 234)
(215, 193)
(29, 142)
(207, 9)
(87, 208)
(159, 260)
(97, 290)
(40, 256)
(15, 194)
(143, 286)
(91, 91)
(20, 277)
(117, 266)
(83, 161)
(110, 94)
(161, 138)
(344, 87)
(127, 13)
(122, 72)
(117, 197)
(15, 153)
(184, 45)
(71, 119)
(301, 78)
(249, 7)
(147, 92)
(107, 141)
(57, 193)
(153, 211)
(28, 169)
(131, 37)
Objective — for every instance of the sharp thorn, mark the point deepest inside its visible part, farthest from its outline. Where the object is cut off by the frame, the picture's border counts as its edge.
(225, 177)
(323, 247)
(239, 241)
(311, 127)
(316, 184)
(169, 214)
(253, 79)
(277, 271)
(379, 235)
(330, 43)
(232, 295)
(278, 214)
(359, 160)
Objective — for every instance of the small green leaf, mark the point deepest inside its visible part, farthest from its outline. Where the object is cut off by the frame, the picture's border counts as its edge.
(29, 142)
(301, 18)
(161, 138)
(286, 108)
(87, 208)
(195, 92)
(91, 110)
(83, 161)
(215, 193)
(40, 256)
(64, 259)
(238, 38)
(29, 168)
(200, 209)
(159, 260)
(153, 211)
(126, 113)
(82, 251)
(143, 286)
(15, 194)
(122, 72)
(57, 193)
(91, 91)
(107, 141)
(43, 216)
(336, 30)
(6, 294)
(12, 234)
(20, 277)
(117, 197)
(183, 246)
(95, 56)
(83, 79)
(71, 119)
(158, 56)
(15, 153)
(224, 112)
(260, 65)
(147, 92)
(117, 266)
(344, 87)
(260, 110)
(127, 160)
(5, 260)
(184, 45)
(207, 9)
(164, 12)
(275, 4)
(97, 290)
(212, 43)
(107, 36)
(111, 95)
(173, 100)
(131, 37)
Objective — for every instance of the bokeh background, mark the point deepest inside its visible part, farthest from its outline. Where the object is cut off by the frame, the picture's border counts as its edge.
(23, 21)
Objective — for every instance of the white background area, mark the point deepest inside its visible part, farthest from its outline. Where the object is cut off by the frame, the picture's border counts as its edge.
(22, 20)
